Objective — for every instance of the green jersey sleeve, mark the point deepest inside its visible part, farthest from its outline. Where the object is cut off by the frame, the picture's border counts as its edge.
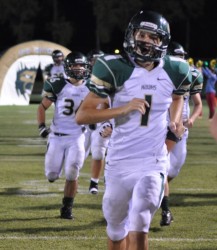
(52, 87)
(109, 73)
(179, 72)
(197, 81)
(47, 69)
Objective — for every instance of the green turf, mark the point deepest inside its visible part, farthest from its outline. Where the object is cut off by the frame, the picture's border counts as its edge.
(29, 205)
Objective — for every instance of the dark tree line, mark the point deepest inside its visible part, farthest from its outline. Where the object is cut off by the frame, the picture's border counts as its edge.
(97, 23)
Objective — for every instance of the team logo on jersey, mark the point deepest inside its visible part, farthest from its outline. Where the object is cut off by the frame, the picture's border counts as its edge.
(149, 87)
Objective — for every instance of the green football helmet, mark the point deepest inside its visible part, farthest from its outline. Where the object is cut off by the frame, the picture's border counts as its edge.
(151, 22)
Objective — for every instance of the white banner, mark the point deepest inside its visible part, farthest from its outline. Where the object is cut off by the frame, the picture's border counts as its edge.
(18, 68)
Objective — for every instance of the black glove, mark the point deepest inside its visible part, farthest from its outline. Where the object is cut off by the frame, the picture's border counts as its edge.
(43, 130)
(171, 136)
(92, 126)
(102, 128)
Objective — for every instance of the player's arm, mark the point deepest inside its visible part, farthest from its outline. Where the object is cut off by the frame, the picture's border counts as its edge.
(175, 110)
(175, 128)
(41, 117)
(46, 72)
(88, 112)
(197, 108)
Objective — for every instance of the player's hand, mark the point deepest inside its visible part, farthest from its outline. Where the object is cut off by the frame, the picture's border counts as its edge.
(105, 129)
(188, 123)
(43, 130)
(137, 104)
(177, 129)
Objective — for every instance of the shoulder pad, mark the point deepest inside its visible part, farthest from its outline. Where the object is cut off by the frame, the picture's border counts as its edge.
(54, 85)
(179, 72)
(108, 74)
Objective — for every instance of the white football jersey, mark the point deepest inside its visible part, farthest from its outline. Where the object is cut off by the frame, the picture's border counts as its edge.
(149, 130)
(58, 71)
(137, 136)
(67, 99)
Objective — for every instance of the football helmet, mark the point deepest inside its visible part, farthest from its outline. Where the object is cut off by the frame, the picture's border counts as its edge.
(191, 61)
(176, 49)
(151, 22)
(57, 56)
(199, 63)
(93, 55)
(73, 60)
(212, 63)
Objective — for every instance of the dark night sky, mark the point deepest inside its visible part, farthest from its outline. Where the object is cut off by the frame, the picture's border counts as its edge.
(203, 38)
(82, 15)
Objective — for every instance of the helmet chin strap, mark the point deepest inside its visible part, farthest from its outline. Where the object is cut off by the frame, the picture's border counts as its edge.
(148, 65)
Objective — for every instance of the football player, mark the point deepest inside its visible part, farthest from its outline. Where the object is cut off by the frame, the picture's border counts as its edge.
(178, 152)
(94, 142)
(65, 145)
(210, 74)
(55, 69)
(142, 86)
(93, 55)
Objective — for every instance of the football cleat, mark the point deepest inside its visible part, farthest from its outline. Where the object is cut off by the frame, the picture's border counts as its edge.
(66, 213)
(93, 189)
(166, 218)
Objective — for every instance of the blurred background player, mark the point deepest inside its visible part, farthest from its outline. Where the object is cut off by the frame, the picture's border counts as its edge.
(213, 126)
(199, 66)
(55, 69)
(179, 152)
(191, 62)
(93, 55)
(66, 138)
(209, 73)
(94, 142)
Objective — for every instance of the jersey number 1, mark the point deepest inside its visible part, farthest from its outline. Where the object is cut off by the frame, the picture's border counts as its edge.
(145, 117)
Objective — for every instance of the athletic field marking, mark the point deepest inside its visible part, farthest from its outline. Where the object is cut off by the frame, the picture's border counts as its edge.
(21, 159)
(35, 237)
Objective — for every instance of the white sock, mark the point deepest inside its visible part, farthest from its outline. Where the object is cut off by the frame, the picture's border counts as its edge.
(95, 180)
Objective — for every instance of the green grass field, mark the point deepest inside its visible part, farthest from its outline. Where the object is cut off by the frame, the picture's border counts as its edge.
(29, 205)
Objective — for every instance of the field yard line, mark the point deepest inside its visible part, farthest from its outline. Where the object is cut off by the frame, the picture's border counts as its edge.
(99, 238)
(21, 159)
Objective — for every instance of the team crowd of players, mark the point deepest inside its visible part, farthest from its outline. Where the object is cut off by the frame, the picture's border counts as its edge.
(132, 109)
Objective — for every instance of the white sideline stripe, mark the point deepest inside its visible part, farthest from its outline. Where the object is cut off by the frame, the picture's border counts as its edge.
(20, 159)
(180, 240)
(93, 238)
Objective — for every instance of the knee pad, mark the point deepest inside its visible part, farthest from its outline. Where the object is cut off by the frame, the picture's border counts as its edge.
(145, 202)
(72, 173)
(98, 153)
(173, 172)
(175, 165)
(117, 232)
(117, 219)
(52, 176)
(140, 221)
